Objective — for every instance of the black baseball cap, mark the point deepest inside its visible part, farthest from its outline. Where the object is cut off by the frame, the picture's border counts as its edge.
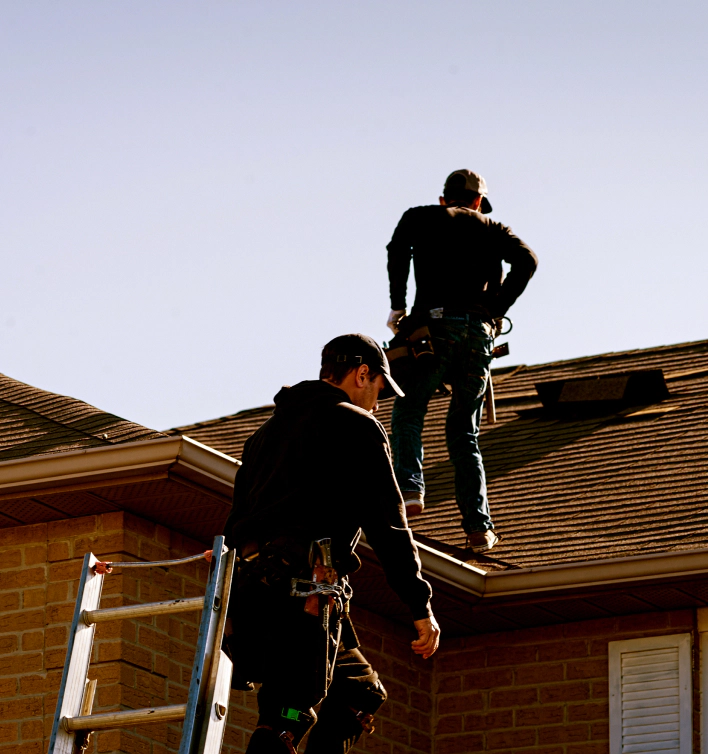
(467, 180)
(356, 349)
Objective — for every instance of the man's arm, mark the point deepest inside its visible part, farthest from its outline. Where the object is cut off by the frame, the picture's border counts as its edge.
(399, 262)
(383, 519)
(523, 264)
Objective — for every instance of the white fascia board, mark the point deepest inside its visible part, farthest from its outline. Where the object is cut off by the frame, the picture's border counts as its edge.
(567, 578)
(181, 454)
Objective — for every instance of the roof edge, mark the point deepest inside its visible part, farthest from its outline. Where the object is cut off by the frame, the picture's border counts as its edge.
(179, 454)
(565, 578)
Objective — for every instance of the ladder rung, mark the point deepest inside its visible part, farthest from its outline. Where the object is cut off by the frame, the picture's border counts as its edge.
(90, 617)
(107, 720)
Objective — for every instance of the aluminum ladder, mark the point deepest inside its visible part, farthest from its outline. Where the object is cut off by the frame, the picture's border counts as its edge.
(204, 714)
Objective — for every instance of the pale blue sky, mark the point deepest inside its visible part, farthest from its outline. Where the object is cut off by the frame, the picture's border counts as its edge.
(196, 196)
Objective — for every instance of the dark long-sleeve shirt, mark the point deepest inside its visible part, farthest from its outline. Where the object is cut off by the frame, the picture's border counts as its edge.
(321, 467)
(457, 257)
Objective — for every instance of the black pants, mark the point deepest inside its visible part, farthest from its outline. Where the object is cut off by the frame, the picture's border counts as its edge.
(281, 647)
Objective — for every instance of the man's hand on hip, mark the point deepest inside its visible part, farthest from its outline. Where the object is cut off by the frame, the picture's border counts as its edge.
(428, 637)
(394, 319)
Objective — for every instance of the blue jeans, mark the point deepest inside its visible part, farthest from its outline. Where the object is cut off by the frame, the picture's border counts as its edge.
(463, 352)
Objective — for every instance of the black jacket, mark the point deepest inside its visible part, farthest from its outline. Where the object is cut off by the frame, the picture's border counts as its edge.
(321, 467)
(457, 257)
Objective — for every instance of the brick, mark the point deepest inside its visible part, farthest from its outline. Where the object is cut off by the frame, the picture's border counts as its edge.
(62, 613)
(33, 684)
(65, 570)
(489, 720)
(461, 661)
(8, 732)
(20, 663)
(22, 535)
(565, 692)
(589, 748)
(449, 684)
(513, 697)
(563, 650)
(563, 734)
(505, 739)
(642, 622)
(21, 621)
(32, 640)
(599, 627)
(588, 711)
(539, 716)
(35, 554)
(586, 669)
(8, 644)
(58, 551)
(448, 724)
(600, 689)
(9, 601)
(32, 729)
(71, 527)
(56, 636)
(10, 559)
(21, 709)
(545, 673)
(459, 703)
(26, 747)
(487, 679)
(112, 520)
(420, 741)
(8, 687)
(34, 597)
(463, 744)
(57, 592)
(420, 701)
(511, 655)
(600, 730)
(23, 578)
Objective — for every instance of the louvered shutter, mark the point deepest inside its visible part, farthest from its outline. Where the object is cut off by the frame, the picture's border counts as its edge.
(650, 695)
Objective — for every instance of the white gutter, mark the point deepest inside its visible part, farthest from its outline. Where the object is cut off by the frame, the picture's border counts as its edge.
(177, 455)
(566, 578)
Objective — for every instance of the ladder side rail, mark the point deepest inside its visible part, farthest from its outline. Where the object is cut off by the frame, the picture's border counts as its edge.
(218, 688)
(204, 650)
(78, 657)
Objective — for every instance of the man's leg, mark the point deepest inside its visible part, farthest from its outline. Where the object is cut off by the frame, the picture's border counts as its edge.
(407, 420)
(355, 695)
(469, 382)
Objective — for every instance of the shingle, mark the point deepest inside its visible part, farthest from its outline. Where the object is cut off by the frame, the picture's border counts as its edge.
(35, 422)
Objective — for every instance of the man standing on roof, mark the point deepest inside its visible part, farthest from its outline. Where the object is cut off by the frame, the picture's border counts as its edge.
(461, 295)
(313, 476)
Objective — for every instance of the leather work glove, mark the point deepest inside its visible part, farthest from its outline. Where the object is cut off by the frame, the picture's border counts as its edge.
(394, 319)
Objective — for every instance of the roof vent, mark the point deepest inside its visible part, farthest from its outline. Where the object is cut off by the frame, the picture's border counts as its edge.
(605, 394)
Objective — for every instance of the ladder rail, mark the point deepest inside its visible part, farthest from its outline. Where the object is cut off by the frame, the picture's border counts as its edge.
(78, 657)
(205, 648)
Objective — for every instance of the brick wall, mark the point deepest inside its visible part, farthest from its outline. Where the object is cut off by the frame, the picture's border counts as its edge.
(536, 690)
(137, 663)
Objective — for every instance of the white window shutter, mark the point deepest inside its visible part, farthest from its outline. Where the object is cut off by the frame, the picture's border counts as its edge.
(650, 695)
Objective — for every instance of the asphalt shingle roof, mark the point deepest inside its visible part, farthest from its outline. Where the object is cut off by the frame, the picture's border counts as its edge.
(564, 490)
(34, 422)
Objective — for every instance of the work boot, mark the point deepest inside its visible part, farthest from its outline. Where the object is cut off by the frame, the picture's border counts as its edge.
(414, 503)
(481, 541)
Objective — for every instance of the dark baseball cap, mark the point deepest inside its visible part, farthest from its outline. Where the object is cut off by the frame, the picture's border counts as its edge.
(467, 180)
(356, 349)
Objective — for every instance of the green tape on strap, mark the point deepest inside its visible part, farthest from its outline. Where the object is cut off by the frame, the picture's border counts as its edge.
(290, 714)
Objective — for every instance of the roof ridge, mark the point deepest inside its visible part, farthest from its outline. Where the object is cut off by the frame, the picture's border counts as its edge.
(617, 354)
(219, 419)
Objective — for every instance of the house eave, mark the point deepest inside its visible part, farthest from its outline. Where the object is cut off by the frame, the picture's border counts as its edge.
(179, 456)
